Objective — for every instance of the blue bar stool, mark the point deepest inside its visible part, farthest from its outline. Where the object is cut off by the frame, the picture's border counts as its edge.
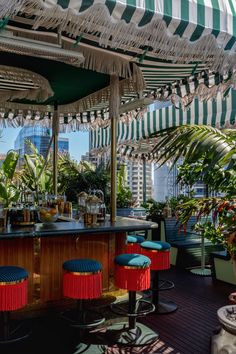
(82, 280)
(133, 243)
(13, 296)
(159, 253)
(132, 273)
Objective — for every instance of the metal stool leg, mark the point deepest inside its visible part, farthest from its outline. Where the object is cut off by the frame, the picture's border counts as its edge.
(82, 318)
(162, 306)
(10, 333)
(134, 334)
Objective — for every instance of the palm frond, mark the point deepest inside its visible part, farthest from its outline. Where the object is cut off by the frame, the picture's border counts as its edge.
(194, 142)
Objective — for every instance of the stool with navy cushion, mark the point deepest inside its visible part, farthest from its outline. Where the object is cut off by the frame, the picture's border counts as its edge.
(159, 253)
(82, 280)
(13, 296)
(132, 273)
(133, 243)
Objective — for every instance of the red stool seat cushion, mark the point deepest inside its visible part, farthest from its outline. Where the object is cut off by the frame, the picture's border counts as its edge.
(82, 279)
(132, 272)
(82, 286)
(158, 252)
(13, 288)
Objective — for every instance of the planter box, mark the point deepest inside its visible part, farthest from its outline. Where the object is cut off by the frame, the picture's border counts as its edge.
(123, 211)
(222, 267)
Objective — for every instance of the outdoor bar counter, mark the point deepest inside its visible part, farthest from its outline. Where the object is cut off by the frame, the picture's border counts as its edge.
(42, 249)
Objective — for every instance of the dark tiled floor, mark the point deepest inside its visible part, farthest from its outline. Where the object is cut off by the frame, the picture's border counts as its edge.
(187, 331)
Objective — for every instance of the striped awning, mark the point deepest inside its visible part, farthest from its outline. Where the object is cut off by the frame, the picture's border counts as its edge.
(184, 31)
(73, 117)
(134, 139)
(183, 48)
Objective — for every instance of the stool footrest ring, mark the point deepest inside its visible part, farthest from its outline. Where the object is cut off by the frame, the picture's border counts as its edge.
(143, 308)
(15, 332)
(83, 319)
(164, 284)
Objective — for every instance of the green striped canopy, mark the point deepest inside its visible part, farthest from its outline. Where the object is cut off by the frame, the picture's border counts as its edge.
(134, 139)
(181, 30)
(188, 19)
(177, 44)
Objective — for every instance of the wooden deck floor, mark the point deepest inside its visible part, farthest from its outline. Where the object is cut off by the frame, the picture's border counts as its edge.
(187, 331)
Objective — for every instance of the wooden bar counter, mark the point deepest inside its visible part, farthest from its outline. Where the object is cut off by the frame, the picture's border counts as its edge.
(42, 249)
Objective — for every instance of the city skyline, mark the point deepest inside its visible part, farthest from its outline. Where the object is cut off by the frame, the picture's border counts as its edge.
(78, 141)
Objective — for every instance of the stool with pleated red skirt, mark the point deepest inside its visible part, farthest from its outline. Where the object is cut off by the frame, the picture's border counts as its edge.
(159, 253)
(13, 296)
(82, 281)
(132, 273)
(133, 243)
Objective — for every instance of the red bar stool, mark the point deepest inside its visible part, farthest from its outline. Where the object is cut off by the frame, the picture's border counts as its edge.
(132, 273)
(159, 253)
(13, 296)
(133, 243)
(82, 280)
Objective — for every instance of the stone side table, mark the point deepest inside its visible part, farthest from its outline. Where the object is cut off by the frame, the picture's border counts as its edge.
(224, 342)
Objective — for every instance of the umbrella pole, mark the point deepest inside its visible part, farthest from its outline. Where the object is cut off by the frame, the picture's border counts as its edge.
(144, 180)
(114, 104)
(55, 132)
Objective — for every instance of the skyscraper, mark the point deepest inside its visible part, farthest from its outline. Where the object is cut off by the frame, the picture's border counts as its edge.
(40, 137)
(136, 179)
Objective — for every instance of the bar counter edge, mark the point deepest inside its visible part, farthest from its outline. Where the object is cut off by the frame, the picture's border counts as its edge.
(74, 227)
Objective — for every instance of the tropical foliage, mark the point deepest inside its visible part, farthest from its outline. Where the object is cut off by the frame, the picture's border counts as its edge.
(194, 143)
(154, 209)
(75, 177)
(8, 187)
(209, 154)
(124, 194)
(36, 174)
(216, 220)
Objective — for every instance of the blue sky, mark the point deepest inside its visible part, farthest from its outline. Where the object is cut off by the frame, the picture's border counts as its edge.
(78, 141)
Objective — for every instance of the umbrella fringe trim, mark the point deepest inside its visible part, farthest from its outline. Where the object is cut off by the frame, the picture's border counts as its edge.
(117, 33)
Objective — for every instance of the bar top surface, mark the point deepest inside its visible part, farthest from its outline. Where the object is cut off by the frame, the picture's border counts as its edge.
(75, 227)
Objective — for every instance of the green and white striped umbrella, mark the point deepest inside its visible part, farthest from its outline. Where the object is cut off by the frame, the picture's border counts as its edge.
(169, 40)
(183, 30)
(134, 139)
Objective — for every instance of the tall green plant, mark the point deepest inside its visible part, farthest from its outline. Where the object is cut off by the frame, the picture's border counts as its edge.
(9, 193)
(34, 175)
(124, 194)
(75, 177)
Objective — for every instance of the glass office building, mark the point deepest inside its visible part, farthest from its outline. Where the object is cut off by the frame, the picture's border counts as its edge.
(40, 137)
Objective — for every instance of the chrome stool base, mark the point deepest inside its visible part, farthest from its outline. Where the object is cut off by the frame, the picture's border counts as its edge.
(165, 307)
